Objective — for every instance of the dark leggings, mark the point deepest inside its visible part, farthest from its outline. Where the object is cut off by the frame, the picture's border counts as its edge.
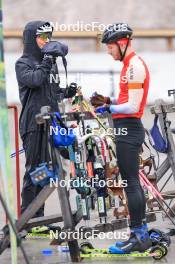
(128, 147)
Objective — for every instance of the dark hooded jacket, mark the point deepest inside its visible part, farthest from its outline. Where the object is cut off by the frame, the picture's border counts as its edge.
(33, 76)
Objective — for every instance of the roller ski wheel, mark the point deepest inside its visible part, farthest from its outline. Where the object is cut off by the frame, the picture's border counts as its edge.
(165, 248)
(159, 252)
(84, 246)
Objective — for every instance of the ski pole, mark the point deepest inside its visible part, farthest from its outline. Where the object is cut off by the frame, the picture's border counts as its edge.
(89, 109)
(12, 155)
(155, 194)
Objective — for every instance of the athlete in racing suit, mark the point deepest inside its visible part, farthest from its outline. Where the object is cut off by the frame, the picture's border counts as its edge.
(127, 111)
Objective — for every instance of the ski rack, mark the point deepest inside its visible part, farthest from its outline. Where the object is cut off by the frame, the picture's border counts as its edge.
(119, 222)
(162, 109)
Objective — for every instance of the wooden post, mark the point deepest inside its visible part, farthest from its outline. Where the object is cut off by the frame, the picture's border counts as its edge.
(98, 38)
(170, 43)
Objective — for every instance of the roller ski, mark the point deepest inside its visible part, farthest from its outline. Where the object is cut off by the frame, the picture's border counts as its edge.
(42, 231)
(88, 251)
(141, 243)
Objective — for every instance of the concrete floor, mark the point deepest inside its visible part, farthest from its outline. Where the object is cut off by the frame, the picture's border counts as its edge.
(34, 249)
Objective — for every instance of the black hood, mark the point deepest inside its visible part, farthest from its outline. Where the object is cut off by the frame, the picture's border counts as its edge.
(29, 39)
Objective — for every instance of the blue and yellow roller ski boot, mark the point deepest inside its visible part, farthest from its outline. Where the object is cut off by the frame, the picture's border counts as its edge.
(139, 241)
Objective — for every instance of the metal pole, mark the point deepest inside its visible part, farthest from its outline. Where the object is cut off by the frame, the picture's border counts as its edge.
(18, 189)
(14, 229)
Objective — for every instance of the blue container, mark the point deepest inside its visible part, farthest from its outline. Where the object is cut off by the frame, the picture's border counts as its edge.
(47, 252)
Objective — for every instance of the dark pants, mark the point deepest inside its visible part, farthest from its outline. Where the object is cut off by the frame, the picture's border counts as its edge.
(128, 147)
(35, 152)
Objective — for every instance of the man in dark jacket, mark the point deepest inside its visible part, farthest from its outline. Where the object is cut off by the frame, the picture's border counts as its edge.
(33, 71)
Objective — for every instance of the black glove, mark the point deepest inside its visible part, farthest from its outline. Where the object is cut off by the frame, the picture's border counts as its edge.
(55, 49)
(99, 100)
(71, 90)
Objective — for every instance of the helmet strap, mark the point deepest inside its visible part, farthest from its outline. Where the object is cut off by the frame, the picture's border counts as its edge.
(122, 54)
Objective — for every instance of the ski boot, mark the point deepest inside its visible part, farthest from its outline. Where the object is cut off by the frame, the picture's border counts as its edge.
(159, 237)
(139, 241)
(122, 243)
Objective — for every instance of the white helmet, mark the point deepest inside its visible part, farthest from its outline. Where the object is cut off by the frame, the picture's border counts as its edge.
(45, 28)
